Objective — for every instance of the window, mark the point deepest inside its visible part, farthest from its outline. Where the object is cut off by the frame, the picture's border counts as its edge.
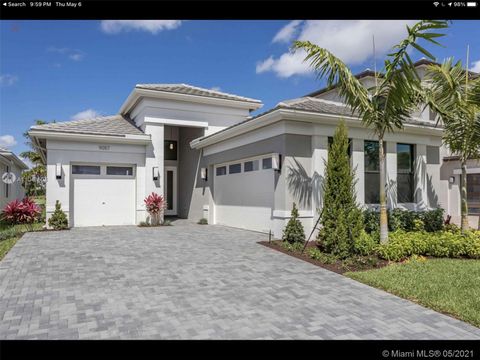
(267, 163)
(221, 170)
(405, 173)
(250, 166)
(170, 150)
(120, 170)
(372, 172)
(473, 194)
(235, 168)
(349, 150)
(85, 170)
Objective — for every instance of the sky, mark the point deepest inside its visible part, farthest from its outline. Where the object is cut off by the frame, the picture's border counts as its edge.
(67, 70)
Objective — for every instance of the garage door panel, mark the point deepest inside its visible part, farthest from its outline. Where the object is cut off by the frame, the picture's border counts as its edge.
(245, 200)
(104, 201)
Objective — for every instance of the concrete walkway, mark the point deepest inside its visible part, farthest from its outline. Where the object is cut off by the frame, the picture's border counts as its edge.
(190, 281)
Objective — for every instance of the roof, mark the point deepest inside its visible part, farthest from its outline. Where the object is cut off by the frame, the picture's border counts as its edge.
(371, 73)
(316, 106)
(9, 154)
(196, 91)
(116, 125)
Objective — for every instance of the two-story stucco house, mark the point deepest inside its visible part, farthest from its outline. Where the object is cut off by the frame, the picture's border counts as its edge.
(203, 151)
(10, 164)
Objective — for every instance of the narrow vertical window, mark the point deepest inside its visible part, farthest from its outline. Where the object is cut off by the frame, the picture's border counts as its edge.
(372, 172)
(405, 173)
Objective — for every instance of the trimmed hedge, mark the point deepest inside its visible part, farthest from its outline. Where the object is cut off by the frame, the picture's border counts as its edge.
(398, 219)
(438, 244)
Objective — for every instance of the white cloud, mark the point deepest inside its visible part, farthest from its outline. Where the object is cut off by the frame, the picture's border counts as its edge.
(72, 54)
(8, 79)
(7, 141)
(350, 40)
(85, 114)
(152, 26)
(476, 66)
(287, 33)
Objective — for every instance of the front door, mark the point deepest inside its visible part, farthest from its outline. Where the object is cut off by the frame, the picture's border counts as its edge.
(170, 184)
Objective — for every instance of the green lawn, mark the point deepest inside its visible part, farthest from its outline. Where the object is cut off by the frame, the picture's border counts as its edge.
(451, 286)
(9, 235)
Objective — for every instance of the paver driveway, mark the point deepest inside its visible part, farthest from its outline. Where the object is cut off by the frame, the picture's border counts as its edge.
(192, 282)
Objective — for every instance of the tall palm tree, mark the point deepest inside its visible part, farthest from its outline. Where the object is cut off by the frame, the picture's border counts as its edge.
(389, 103)
(455, 96)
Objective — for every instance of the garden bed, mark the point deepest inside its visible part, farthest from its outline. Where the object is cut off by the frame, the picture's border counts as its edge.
(357, 263)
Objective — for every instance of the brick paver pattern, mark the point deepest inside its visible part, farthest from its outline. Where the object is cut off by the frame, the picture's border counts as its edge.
(189, 281)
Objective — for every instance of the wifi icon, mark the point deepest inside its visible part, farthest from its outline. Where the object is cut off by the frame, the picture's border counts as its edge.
(436, 3)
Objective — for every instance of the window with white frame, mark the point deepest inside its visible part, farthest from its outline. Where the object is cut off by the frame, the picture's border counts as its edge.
(251, 165)
(235, 168)
(221, 170)
(85, 169)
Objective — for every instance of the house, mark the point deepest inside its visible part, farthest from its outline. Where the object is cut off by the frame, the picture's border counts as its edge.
(203, 151)
(11, 186)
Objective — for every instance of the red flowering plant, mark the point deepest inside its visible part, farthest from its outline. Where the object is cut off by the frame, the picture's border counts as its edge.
(155, 205)
(25, 212)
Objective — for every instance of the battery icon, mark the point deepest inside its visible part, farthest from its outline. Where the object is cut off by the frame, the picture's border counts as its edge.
(471, 4)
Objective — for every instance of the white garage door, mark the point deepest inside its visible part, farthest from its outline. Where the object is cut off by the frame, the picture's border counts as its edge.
(103, 195)
(244, 195)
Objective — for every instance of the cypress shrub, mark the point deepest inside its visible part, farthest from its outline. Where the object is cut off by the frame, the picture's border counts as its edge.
(293, 232)
(341, 219)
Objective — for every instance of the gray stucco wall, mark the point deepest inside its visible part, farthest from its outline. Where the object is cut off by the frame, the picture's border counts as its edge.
(193, 191)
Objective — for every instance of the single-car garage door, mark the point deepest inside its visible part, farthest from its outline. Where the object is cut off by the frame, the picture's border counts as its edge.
(103, 195)
(244, 194)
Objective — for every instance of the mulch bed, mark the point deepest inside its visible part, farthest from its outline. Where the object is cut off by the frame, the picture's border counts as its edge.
(335, 267)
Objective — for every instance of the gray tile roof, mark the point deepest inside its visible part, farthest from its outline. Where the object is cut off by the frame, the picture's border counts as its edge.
(193, 90)
(116, 125)
(317, 105)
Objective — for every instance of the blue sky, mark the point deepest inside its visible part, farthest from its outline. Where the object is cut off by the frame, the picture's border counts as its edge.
(61, 70)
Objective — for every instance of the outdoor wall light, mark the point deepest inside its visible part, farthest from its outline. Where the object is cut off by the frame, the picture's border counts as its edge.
(58, 171)
(204, 173)
(171, 146)
(451, 179)
(155, 173)
(276, 162)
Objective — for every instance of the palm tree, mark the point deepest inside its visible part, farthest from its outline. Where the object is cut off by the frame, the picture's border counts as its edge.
(385, 106)
(33, 155)
(456, 98)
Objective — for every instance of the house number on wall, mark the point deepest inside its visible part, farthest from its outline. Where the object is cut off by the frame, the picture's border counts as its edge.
(104, 147)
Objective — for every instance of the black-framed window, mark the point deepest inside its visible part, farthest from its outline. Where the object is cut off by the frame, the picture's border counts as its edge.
(120, 170)
(372, 172)
(235, 168)
(267, 163)
(250, 166)
(405, 173)
(221, 170)
(170, 150)
(349, 150)
(85, 169)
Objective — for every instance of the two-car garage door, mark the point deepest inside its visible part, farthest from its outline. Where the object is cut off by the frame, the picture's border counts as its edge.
(103, 195)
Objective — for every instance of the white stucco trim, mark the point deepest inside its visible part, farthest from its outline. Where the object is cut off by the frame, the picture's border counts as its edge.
(469, 171)
(175, 122)
(127, 139)
(304, 116)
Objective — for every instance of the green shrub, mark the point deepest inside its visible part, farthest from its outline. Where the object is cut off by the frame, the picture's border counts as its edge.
(292, 247)
(325, 258)
(10, 233)
(167, 223)
(433, 220)
(202, 221)
(438, 244)
(143, 224)
(294, 232)
(405, 220)
(366, 244)
(58, 220)
(341, 218)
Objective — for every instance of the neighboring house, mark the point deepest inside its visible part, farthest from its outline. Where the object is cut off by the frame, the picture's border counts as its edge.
(10, 163)
(209, 158)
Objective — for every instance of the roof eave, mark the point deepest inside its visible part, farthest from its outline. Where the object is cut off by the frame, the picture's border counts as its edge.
(52, 135)
(137, 94)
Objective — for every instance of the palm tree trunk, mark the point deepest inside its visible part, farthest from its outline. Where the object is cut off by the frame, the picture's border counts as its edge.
(463, 197)
(383, 197)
